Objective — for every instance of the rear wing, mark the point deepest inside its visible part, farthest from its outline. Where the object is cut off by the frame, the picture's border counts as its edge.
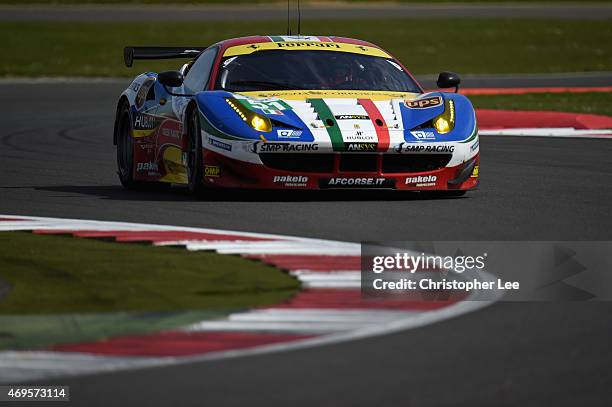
(132, 53)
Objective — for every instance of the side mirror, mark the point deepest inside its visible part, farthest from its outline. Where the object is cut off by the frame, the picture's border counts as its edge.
(173, 79)
(449, 80)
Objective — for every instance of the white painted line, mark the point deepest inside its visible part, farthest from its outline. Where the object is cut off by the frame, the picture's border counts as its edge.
(294, 327)
(343, 279)
(315, 315)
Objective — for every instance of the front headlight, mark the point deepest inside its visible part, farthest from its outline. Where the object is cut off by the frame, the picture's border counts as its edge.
(446, 121)
(255, 120)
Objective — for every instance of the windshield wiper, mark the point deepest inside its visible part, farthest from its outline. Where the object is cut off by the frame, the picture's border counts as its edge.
(265, 84)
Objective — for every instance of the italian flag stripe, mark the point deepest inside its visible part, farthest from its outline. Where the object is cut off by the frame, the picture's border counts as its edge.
(330, 123)
(382, 131)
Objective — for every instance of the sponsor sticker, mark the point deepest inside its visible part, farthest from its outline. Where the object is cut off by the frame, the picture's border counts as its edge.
(171, 129)
(352, 117)
(293, 181)
(135, 86)
(289, 134)
(360, 136)
(308, 44)
(286, 147)
(361, 147)
(424, 148)
(310, 38)
(147, 167)
(474, 146)
(211, 171)
(422, 181)
(219, 144)
(362, 182)
(423, 135)
(144, 121)
(141, 96)
(274, 107)
(424, 103)
(475, 172)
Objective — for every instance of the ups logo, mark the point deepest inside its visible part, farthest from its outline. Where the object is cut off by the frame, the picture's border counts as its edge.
(424, 103)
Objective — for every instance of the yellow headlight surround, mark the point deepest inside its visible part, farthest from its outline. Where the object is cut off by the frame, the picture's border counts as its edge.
(446, 121)
(256, 121)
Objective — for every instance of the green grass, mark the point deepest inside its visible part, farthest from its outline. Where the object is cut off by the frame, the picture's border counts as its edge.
(594, 103)
(53, 275)
(35, 331)
(424, 45)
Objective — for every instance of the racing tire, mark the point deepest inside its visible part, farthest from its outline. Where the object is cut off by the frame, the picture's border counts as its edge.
(125, 148)
(195, 165)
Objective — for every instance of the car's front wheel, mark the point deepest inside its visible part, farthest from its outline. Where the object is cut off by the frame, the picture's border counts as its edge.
(194, 154)
(125, 147)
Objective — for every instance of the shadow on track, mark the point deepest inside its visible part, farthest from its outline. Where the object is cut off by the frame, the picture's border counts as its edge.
(178, 193)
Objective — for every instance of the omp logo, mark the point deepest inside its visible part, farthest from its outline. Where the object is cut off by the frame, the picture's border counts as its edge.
(423, 135)
(211, 171)
(429, 179)
(424, 103)
(360, 146)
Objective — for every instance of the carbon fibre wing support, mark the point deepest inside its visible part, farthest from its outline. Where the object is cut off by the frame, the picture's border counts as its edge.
(132, 53)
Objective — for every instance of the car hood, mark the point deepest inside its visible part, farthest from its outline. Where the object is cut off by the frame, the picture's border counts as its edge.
(338, 119)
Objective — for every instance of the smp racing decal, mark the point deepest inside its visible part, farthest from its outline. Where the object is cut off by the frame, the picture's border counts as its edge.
(365, 182)
(361, 147)
(260, 147)
(423, 148)
(424, 103)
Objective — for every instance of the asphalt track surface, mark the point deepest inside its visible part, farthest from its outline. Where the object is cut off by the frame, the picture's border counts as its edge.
(578, 10)
(57, 159)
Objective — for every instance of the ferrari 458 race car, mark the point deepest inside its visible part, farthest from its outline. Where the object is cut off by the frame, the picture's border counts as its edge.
(293, 112)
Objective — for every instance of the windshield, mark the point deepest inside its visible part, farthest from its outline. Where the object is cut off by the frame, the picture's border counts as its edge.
(312, 70)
